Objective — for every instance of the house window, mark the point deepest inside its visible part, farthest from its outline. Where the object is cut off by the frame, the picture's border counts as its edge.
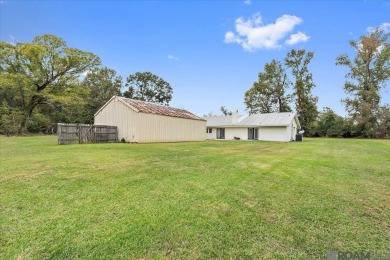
(253, 133)
(209, 130)
(220, 133)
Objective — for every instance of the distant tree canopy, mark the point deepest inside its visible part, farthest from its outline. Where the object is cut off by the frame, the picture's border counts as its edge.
(38, 74)
(330, 124)
(45, 82)
(305, 102)
(103, 83)
(225, 112)
(368, 72)
(268, 94)
(383, 120)
(146, 86)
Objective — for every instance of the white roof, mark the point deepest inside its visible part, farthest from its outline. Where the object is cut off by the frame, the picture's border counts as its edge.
(256, 120)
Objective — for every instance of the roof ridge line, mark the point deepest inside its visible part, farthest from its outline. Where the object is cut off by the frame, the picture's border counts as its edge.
(149, 102)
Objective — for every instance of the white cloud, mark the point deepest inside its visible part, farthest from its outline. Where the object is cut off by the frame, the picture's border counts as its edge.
(230, 37)
(384, 26)
(171, 57)
(248, 2)
(252, 34)
(297, 38)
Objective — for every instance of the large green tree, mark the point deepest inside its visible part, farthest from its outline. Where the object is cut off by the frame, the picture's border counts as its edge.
(40, 73)
(103, 83)
(268, 94)
(368, 72)
(146, 86)
(305, 101)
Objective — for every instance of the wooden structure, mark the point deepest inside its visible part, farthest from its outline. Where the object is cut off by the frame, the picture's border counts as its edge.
(84, 133)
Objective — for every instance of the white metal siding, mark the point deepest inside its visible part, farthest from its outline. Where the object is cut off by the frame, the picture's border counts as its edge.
(292, 129)
(242, 133)
(295, 128)
(213, 134)
(275, 133)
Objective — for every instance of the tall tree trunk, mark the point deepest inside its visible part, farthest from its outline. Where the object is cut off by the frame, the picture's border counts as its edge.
(34, 101)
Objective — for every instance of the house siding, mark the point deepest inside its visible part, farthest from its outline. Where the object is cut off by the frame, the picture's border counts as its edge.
(230, 133)
(239, 132)
(281, 127)
(293, 130)
(213, 133)
(275, 133)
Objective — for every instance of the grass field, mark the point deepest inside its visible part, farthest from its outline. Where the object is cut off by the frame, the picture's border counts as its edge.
(226, 199)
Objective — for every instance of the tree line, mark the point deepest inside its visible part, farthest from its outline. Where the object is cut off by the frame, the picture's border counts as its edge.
(368, 72)
(45, 82)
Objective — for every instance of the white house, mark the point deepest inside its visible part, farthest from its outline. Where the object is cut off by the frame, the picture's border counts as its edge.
(280, 127)
(145, 122)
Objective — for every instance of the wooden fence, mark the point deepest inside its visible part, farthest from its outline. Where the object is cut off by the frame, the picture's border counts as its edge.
(83, 133)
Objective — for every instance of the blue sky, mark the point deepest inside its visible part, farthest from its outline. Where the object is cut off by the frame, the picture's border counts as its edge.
(209, 51)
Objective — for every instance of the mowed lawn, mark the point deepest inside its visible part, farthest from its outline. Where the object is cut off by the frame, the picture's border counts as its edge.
(225, 199)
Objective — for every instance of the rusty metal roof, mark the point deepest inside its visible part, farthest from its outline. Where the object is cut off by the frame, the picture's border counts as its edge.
(153, 108)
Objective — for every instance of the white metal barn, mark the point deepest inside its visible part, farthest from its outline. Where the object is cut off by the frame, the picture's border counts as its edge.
(145, 122)
(280, 127)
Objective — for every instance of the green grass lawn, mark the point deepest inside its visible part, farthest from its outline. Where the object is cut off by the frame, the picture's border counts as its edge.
(226, 199)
